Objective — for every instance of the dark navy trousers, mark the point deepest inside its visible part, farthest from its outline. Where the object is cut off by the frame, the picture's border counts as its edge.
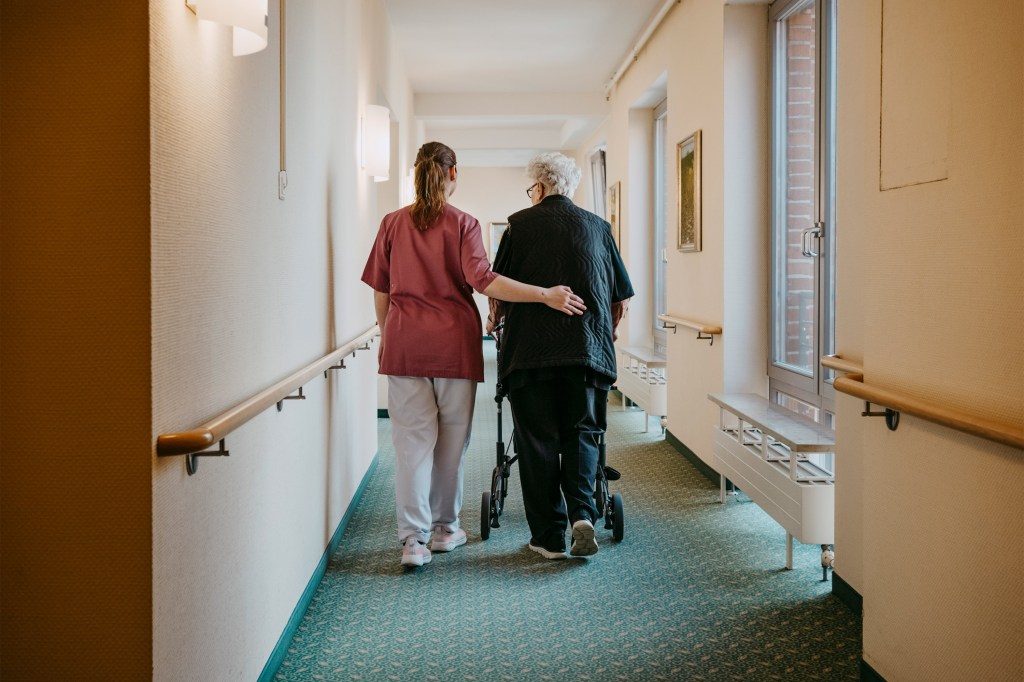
(559, 424)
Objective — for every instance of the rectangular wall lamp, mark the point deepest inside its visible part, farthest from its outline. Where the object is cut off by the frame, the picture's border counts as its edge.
(376, 142)
(248, 19)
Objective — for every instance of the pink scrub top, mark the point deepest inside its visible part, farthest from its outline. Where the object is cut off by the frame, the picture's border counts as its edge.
(433, 326)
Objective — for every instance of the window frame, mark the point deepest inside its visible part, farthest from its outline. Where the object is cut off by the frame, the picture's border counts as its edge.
(815, 390)
(660, 202)
(599, 181)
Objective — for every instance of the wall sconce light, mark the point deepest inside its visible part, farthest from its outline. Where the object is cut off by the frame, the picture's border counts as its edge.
(376, 142)
(248, 18)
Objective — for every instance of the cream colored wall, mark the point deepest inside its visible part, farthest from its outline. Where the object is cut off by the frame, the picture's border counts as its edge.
(637, 215)
(247, 289)
(939, 269)
(75, 407)
(715, 60)
(856, 105)
(926, 308)
(746, 205)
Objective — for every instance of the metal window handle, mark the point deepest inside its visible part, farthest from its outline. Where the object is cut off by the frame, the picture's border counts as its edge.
(805, 240)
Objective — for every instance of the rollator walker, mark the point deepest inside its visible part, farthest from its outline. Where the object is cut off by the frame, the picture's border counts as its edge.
(492, 503)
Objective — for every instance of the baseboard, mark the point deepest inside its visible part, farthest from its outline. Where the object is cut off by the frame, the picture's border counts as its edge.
(383, 413)
(692, 457)
(845, 593)
(868, 674)
(842, 591)
(281, 650)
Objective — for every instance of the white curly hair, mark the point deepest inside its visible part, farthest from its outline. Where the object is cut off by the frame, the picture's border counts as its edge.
(557, 172)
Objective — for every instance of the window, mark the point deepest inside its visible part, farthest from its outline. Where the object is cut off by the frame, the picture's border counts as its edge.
(660, 257)
(803, 204)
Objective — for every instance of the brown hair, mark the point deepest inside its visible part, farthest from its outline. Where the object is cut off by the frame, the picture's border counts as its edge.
(433, 162)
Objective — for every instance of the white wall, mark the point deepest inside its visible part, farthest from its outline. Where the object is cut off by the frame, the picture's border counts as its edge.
(490, 195)
(246, 290)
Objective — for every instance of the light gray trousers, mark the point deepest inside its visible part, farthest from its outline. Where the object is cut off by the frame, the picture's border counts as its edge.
(431, 421)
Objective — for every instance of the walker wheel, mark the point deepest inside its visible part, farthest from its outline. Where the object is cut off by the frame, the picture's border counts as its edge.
(617, 517)
(485, 516)
(498, 494)
(601, 497)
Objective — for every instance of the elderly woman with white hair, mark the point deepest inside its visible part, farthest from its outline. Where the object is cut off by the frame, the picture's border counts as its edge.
(558, 369)
(424, 265)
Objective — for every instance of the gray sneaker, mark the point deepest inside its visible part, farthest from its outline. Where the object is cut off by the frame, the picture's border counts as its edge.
(583, 541)
(415, 553)
(443, 541)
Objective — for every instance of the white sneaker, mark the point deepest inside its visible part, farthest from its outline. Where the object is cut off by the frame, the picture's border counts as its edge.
(415, 553)
(583, 541)
(443, 541)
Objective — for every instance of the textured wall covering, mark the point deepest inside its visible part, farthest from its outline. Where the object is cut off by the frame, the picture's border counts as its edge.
(939, 269)
(246, 290)
(75, 407)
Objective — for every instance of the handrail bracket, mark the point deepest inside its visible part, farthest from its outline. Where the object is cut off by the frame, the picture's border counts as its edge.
(299, 396)
(703, 337)
(892, 417)
(192, 465)
(341, 364)
(666, 325)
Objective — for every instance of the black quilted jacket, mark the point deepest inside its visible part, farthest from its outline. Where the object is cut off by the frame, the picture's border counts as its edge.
(556, 242)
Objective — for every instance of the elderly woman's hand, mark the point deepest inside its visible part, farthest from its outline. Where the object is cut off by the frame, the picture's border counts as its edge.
(562, 299)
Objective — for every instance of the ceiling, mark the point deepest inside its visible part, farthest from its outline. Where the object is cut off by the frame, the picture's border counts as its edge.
(502, 81)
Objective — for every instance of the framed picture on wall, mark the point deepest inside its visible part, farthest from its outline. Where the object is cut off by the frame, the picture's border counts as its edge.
(614, 215)
(497, 232)
(688, 175)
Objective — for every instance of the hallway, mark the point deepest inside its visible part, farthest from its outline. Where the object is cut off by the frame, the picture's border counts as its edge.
(695, 591)
(185, 227)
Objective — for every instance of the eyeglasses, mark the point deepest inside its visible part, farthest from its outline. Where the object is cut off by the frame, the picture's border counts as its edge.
(529, 190)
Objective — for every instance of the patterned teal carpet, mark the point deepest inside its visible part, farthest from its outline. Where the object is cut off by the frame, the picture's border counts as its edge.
(695, 590)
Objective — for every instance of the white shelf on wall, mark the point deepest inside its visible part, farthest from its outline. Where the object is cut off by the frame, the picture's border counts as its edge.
(642, 380)
(783, 462)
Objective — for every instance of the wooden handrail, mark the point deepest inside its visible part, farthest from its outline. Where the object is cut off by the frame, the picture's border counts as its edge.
(702, 328)
(704, 331)
(840, 365)
(853, 384)
(206, 435)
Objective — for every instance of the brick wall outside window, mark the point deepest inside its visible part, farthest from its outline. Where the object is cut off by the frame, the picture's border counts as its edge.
(800, 188)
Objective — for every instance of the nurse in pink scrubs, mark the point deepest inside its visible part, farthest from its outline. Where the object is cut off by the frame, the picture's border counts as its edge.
(426, 262)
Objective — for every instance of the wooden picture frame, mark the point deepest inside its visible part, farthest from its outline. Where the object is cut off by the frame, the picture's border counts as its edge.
(688, 162)
(614, 214)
